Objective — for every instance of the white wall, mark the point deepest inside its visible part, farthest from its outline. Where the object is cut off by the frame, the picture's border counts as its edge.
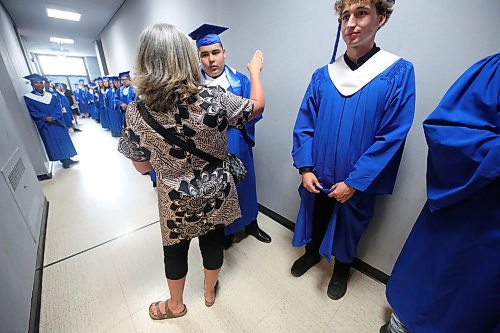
(120, 38)
(20, 213)
(441, 38)
(13, 87)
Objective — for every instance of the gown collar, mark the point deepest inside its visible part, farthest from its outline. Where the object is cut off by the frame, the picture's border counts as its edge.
(349, 82)
(45, 98)
(225, 80)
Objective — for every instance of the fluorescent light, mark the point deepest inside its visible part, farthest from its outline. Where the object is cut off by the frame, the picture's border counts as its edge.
(62, 40)
(61, 14)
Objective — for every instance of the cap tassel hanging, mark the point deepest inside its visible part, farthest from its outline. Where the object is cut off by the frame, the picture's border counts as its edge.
(335, 47)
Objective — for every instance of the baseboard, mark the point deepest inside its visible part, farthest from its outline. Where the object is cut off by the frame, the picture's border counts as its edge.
(36, 295)
(48, 175)
(358, 264)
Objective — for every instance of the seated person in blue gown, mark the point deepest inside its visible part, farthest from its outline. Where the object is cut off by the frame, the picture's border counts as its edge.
(45, 109)
(447, 277)
(348, 140)
(241, 141)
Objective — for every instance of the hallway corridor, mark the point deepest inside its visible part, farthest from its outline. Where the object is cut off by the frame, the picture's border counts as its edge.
(103, 263)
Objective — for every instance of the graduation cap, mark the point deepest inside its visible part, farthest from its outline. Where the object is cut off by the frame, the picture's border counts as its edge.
(207, 34)
(116, 79)
(124, 75)
(35, 77)
(81, 80)
(98, 79)
(106, 78)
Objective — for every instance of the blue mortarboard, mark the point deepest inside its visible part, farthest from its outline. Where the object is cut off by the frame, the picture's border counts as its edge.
(56, 83)
(98, 79)
(116, 79)
(124, 75)
(106, 78)
(81, 80)
(207, 34)
(35, 77)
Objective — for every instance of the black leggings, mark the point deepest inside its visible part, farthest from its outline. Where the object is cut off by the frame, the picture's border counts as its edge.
(175, 256)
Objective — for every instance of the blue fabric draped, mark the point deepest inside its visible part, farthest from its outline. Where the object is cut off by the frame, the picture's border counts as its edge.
(240, 142)
(91, 101)
(357, 139)
(115, 116)
(103, 110)
(447, 277)
(54, 135)
(68, 115)
(119, 98)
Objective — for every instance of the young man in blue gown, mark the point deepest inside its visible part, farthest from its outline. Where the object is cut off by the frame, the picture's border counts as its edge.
(45, 109)
(447, 277)
(240, 142)
(348, 140)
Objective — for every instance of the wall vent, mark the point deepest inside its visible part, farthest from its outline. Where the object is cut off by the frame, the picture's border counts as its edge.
(16, 173)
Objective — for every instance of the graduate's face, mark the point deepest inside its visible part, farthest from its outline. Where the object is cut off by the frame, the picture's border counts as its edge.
(125, 82)
(38, 86)
(116, 84)
(212, 59)
(360, 23)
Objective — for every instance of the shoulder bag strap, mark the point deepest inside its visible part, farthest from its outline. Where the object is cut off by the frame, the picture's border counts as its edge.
(174, 139)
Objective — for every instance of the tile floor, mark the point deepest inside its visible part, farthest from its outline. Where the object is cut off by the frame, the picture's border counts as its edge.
(104, 263)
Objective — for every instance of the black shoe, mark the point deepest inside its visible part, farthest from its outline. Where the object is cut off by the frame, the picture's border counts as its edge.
(384, 328)
(260, 235)
(71, 162)
(154, 184)
(228, 241)
(302, 265)
(253, 230)
(338, 283)
(76, 129)
(66, 166)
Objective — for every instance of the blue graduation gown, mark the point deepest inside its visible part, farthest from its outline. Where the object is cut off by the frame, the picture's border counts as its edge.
(240, 143)
(83, 101)
(91, 101)
(357, 139)
(447, 277)
(120, 98)
(54, 135)
(68, 115)
(103, 111)
(115, 116)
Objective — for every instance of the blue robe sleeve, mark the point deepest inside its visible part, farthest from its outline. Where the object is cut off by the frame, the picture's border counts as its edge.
(38, 114)
(376, 169)
(249, 126)
(463, 136)
(117, 99)
(305, 125)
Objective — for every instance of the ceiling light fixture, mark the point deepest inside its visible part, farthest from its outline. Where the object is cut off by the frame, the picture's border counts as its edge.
(62, 40)
(61, 14)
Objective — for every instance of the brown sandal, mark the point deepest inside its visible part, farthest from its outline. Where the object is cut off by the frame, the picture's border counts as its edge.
(168, 313)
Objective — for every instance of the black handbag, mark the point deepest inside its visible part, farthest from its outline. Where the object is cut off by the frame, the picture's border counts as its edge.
(232, 163)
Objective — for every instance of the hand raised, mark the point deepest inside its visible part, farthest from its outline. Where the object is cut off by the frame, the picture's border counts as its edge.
(256, 63)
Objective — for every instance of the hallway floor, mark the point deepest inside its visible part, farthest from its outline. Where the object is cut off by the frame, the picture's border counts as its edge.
(104, 263)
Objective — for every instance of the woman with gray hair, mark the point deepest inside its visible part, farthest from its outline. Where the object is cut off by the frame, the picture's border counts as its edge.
(196, 198)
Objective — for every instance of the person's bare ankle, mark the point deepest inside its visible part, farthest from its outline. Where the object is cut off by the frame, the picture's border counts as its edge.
(175, 306)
